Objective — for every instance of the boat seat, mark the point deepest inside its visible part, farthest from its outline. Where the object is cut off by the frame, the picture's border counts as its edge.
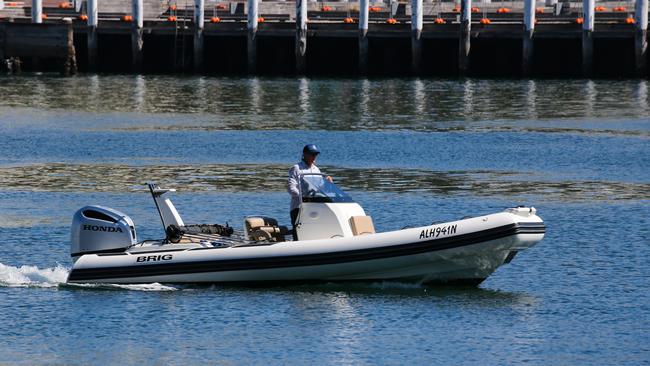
(264, 228)
(270, 233)
(361, 225)
(253, 222)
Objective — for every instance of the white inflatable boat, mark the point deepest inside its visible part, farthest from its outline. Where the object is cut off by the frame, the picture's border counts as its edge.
(336, 242)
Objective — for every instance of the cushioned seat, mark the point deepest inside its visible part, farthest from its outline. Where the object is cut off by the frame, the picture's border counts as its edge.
(362, 225)
(264, 228)
(253, 222)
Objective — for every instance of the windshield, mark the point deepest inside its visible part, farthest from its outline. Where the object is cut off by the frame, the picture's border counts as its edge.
(316, 188)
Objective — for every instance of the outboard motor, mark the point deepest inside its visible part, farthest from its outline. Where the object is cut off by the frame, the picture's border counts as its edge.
(97, 229)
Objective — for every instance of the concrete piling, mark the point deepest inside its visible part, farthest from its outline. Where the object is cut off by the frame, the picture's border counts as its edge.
(363, 36)
(37, 11)
(136, 34)
(92, 34)
(529, 29)
(416, 35)
(641, 37)
(392, 7)
(588, 8)
(251, 44)
(37, 17)
(301, 36)
(69, 65)
(199, 23)
(465, 28)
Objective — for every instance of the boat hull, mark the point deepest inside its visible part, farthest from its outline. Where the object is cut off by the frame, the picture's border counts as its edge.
(475, 249)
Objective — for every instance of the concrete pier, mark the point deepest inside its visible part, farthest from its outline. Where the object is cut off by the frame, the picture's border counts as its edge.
(528, 44)
(92, 34)
(426, 39)
(416, 35)
(364, 10)
(52, 41)
(136, 34)
(199, 24)
(301, 36)
(641, 38)
(251, 44)
(588, 8)
(465, 32)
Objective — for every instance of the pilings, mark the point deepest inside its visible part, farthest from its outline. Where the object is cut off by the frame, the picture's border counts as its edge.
(37, 11)
(37, 18)
(278, 34)
(251, 44)
(199, 22)
(641, 37)
(363, 36)
(465, 28)
(301, 36)
(136, 34)
(69, 66)
(416, 35)
(92, 34)
(588, 8)
(529, 29)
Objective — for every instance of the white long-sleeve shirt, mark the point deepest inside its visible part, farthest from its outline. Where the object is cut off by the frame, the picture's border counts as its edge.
(294, 180)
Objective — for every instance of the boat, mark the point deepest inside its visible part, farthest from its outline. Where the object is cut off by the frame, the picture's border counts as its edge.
(336, 241)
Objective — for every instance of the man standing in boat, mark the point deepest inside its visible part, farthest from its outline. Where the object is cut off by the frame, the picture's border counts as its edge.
(305, 166)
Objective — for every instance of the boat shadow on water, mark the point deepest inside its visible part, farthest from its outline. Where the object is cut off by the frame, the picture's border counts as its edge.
(460, 293)
(386, 289)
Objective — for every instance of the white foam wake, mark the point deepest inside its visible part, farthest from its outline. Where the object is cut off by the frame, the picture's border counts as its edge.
(155, 286)
(147, 287)
(32, 276)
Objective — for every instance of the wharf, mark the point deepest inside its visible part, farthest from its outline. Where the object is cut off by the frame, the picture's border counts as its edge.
(510, 39)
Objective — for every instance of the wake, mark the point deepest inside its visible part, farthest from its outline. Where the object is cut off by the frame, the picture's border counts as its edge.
(32, 276)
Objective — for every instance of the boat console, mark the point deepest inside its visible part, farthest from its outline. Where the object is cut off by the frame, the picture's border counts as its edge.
(328, 212)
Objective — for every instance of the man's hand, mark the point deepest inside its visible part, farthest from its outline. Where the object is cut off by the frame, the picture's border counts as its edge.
(329, 179)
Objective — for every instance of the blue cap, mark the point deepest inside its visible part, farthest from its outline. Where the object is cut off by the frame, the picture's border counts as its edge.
(310, 149)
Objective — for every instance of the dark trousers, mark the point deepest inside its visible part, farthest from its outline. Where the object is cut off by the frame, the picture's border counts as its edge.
(294, 217)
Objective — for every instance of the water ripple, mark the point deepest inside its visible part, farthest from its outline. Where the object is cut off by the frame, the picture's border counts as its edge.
(429, 127)
(386, 104)
(269, 177)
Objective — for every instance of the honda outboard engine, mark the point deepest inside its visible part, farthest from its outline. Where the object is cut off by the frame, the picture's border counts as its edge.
(97, 229)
